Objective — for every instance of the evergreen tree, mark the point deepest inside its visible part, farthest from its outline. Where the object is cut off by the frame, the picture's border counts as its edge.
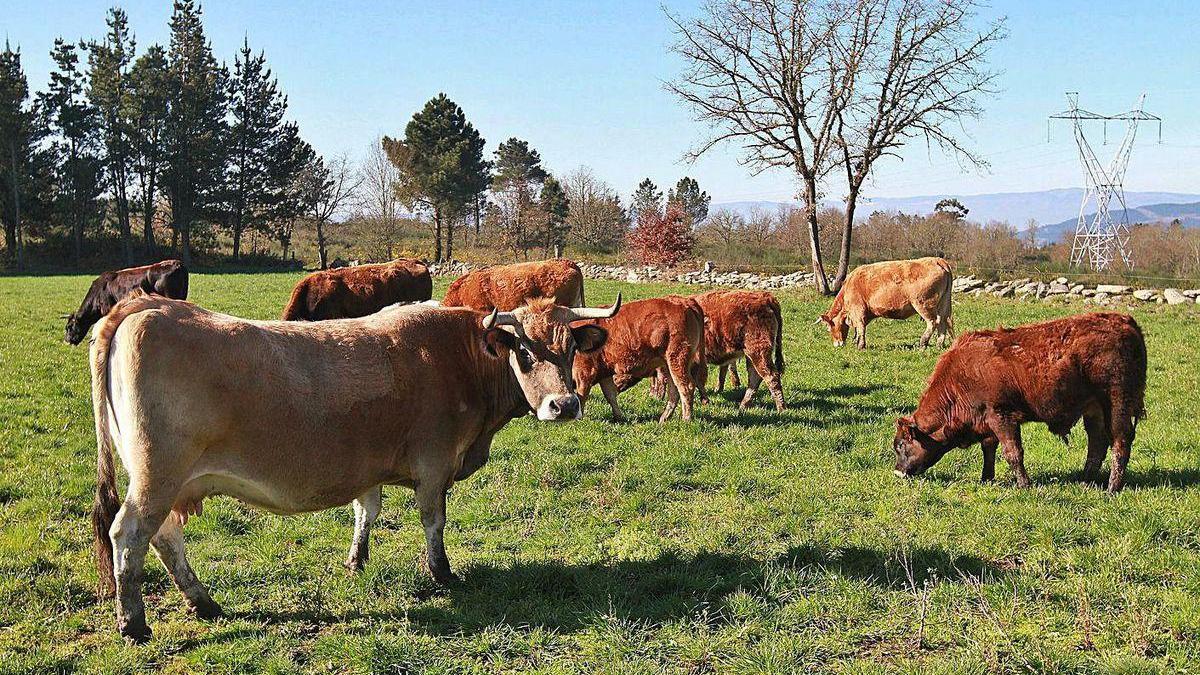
(74, 123)
(517, 165)
(647, 199)
(109, 93)
(149, 95)
(554, 204)
(442, 166)
(518, 177)
(289, 157)
(194, 133)
(258, 144)
(694, 202)
(21, 130)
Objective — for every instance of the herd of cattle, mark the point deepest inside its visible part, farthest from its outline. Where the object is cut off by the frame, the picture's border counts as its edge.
(409, 391)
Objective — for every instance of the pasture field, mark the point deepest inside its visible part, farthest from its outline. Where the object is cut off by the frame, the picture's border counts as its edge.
(759, 542)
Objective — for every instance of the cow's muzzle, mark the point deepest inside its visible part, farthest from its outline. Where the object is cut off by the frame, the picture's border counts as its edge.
(560, 408)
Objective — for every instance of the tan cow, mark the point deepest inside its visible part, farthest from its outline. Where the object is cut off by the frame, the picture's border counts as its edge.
(506, 287)
(293, 417)
(895, 289)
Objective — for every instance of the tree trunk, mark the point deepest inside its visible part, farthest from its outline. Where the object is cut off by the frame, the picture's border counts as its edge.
(437, 235)
(148, 216)
(185, 240)
(450, 239)
(847, 234)
(12, 234)
(123, 219)
(321, 245)
(237, 237)
(814, 236)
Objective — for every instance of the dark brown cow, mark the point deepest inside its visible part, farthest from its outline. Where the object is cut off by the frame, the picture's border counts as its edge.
(506, 287)
(168, 278)
(645, 336)
(350, 292)
(750, 324)
(990, 382)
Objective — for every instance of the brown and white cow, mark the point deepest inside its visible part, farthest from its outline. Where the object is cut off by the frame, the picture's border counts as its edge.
(506, 287)
(168, 278)
(293, 417)
(647, 335)
(992, 381)
(750, 324)
(348, 292)
(895, 289)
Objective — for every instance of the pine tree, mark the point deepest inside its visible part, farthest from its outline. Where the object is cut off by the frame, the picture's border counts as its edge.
(109, 93)
(554, 204)
(647, 200)
(256, 143)
(442, 166)
(288, 158)
(518, 178)
(694, 202)
(21, 130)
(75, 126)
(149, 94)
(195, 132)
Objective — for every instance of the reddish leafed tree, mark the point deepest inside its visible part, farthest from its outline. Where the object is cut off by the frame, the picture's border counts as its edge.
(661, 238)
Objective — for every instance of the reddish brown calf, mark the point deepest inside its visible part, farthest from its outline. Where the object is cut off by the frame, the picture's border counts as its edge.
(349, 292)
(506, 287)
(991, 382)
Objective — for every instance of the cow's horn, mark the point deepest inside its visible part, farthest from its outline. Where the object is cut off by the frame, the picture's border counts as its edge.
(581, 313)
(498, 318)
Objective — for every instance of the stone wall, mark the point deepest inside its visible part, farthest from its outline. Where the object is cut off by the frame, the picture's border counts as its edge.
(1060, 289)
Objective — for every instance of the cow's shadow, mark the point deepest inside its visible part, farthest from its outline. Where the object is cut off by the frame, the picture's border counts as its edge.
(834, 406)
(568, 598)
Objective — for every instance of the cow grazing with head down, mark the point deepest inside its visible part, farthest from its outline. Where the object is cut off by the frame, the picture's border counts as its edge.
(660, 333)
(411, 395)
(168, 278)
(506, 287)
(348, 292)
(991, 382)
(895, 289)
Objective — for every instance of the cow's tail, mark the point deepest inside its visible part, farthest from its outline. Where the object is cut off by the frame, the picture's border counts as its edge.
(945, 305)
(297, 307)
(778, 335)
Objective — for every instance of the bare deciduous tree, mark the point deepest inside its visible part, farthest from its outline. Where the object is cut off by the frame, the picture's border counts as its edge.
(331, 190)
(818, 86)
(379, 202)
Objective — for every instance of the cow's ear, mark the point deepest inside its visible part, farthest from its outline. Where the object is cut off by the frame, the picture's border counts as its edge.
(828, 321)
(904, 423)
(494, 338)
(589, 338)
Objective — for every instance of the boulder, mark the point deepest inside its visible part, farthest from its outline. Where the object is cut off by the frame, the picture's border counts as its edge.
(1112, 289)
(1145, 294)
(1174, 296)
(1057, 289)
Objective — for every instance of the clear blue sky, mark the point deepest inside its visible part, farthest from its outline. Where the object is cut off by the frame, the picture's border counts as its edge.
(581, 81)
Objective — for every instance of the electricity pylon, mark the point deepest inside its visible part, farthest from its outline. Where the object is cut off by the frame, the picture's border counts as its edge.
(1102, 238)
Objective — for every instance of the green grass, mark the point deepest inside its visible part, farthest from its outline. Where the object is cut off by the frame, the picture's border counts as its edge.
(759, 542)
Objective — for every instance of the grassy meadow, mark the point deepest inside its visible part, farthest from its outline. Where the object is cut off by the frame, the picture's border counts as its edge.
(759, 542)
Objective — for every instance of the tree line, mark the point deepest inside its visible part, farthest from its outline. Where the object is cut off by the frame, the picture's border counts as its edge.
(162, 142)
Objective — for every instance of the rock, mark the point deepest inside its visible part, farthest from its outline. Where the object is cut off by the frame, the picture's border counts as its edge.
(632, 277)
(1006, 292)
(1145, 294)
(1061, 280)
(1087, 292)
(1174, 296)
(1112, 289)
(1057, 289)
(1192, 293)
(1077, 288)
(1100, 296)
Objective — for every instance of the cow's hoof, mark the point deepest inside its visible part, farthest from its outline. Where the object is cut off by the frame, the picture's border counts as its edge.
(444, 577)
(136, 632)
(207, 610)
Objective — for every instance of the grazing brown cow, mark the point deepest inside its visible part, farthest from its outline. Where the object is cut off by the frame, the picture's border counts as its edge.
(647, 335)
(895, 289)
(332, 411)
(168, 278)
(506, 287)
(750, 324)
(990, 382)
(349, 292)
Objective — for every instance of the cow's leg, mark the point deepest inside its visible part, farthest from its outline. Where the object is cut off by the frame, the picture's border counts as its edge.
(683, 386)
(929, 326)
(431, 500)
(1121, 429)
(758, 362)
(860, 327)
(753, 380)
(735, 382)
(610, 394)
(672, 401)
(721, 370)
(989, 459)
(1098, 441)
(366, 510)
(1009, 436)
(168, 545)
(136, 522)
(658, 384)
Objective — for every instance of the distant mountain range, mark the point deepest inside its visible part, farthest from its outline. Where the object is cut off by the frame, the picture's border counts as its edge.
(1059, 207)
